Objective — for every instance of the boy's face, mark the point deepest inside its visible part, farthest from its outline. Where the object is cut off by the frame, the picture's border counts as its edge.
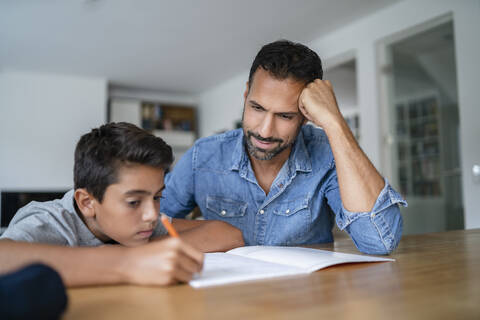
(129, 211)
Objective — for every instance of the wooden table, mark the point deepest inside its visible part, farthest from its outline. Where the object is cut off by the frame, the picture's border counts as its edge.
(435, 276)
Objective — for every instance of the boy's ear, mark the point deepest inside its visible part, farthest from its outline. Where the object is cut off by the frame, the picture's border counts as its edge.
(85, 202)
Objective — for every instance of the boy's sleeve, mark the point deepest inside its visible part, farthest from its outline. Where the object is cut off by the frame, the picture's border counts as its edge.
(178, 197)
(36, 227)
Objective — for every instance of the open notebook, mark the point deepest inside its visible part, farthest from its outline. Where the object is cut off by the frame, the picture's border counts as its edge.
(261, 262)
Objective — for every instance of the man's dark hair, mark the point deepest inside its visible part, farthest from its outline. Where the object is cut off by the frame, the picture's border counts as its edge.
(285, 59)
(103, 151)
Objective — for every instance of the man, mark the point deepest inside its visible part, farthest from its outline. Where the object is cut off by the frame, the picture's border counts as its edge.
(118, 175)
(279, 180)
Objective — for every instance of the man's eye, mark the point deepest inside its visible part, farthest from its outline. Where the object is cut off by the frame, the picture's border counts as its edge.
(286, 116)
(257, 108)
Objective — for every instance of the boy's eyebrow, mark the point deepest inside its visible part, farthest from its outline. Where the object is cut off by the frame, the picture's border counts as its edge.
(134, 192)
(142, 192)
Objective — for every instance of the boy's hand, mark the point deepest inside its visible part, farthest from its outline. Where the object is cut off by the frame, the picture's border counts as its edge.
(163, 262)
(318, 104)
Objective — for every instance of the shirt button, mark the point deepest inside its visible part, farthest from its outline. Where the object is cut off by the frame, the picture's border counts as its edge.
(223, 212)
(262, 211)
(288, 211)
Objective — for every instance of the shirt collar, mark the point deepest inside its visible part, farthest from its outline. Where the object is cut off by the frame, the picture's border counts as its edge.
(299, 159)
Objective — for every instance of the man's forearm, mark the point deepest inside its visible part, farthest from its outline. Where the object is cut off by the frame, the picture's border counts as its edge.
(76, 266)
(359, 181)
(209, 236)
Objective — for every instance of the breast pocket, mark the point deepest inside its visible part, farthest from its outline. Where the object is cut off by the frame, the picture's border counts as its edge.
(291, 222)
(229, 210)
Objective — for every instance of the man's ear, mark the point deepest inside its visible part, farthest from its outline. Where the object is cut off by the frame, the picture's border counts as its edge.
(245, 94)
(85, 202)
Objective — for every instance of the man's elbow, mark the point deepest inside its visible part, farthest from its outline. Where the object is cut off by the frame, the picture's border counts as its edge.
(233, 236)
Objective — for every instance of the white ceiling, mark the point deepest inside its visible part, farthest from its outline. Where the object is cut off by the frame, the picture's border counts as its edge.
(183, 46)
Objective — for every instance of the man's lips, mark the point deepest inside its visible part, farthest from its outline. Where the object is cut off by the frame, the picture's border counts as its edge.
(262, 144)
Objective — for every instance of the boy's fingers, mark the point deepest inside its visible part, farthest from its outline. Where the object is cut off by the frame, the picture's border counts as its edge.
(182, 275)
(188, 264)
(193, 253)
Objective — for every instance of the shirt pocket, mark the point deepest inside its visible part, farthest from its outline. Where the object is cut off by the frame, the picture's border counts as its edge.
(291, 222)
(226, 208)
(291, 207)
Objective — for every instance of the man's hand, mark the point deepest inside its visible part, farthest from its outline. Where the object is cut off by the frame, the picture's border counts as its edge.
(163, 262)
(318, 104)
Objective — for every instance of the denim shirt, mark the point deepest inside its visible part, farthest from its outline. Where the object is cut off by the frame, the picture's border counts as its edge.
(303, 202)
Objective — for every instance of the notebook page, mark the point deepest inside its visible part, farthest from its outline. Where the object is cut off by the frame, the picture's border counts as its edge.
(222, 268)
(305, 258)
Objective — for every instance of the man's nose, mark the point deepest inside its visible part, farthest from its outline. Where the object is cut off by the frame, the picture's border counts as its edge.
(267, 126)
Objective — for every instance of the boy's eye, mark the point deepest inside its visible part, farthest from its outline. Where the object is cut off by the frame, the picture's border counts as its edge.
(134, 203)
(157, 198)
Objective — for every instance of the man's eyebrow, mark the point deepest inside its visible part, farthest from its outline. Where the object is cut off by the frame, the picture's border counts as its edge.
(257, 104)
(287, 113)
(293, 113)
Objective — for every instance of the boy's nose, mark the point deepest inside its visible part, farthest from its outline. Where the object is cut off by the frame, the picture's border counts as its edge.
(151, 213)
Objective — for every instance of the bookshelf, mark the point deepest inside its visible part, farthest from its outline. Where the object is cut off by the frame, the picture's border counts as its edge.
(175, 124)
(418, 148)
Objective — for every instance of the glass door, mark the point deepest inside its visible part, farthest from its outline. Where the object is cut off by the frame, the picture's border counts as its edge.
(421, 125)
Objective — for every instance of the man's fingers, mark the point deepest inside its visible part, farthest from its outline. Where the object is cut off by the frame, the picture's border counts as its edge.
(328, 83)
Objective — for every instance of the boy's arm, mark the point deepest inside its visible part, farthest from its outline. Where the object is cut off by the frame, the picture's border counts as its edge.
(209, 236)
(160, 263)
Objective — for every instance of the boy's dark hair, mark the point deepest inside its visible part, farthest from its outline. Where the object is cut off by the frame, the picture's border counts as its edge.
(101, 152)
(284, 59)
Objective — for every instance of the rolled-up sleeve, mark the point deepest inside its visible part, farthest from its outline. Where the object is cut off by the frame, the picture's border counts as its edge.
(375, 232)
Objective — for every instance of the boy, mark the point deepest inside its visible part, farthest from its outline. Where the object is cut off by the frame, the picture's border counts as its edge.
(119, 177)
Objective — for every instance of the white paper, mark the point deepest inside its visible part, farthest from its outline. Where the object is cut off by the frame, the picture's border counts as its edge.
(262, 262)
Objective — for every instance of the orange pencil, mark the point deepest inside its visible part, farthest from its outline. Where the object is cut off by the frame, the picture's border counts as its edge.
(166, 223)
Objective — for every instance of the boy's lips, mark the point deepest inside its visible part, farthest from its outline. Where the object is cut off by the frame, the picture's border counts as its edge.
(145, 233)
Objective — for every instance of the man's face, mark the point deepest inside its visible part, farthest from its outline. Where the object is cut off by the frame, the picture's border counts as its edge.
(129, 211)
(271, 118)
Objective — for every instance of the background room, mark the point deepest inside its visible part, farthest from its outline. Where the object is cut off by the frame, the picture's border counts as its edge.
(404, 72)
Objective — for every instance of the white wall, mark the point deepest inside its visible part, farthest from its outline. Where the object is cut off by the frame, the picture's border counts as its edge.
(221, 104)
(42, 117)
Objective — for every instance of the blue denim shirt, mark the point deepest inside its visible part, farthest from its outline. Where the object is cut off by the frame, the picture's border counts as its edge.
(303, 202)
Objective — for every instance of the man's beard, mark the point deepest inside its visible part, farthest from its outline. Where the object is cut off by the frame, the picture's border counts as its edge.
(262, 154)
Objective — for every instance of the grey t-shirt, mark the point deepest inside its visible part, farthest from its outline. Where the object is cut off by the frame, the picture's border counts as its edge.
(55, 222)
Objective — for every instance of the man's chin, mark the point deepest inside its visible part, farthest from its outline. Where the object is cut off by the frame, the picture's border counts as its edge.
(262, 154)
